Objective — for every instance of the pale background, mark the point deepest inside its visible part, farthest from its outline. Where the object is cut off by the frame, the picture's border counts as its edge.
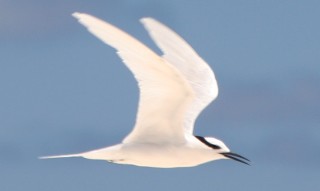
(63, 91)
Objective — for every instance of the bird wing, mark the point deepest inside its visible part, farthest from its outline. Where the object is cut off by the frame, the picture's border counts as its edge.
(165, 94)
(192, 67)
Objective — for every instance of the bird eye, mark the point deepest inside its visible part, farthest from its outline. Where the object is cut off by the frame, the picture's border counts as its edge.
(204, 141)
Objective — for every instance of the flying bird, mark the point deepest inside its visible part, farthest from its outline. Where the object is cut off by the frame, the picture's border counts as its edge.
(174, 88)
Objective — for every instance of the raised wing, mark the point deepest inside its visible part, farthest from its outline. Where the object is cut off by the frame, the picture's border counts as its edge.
(164, 93)
(193, 68)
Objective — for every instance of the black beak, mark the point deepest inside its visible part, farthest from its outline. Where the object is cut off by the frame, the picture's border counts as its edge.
(236, 157)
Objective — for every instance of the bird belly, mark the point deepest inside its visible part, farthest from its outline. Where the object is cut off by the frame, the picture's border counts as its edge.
(165, 156)
(153, 155)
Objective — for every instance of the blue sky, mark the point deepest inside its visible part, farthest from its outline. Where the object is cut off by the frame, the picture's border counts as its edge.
(63, 91)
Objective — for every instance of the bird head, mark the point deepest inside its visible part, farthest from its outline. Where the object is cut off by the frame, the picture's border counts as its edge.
(222, 149)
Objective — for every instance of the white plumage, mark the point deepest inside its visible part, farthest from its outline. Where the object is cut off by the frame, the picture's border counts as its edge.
(174, 89)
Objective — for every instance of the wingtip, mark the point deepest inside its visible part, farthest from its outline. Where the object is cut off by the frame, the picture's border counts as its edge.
(78, 15)
(144, 20)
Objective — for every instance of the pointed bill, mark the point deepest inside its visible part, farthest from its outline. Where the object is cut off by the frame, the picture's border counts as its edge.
(237, 157)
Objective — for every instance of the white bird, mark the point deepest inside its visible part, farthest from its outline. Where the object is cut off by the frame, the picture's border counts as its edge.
(174, 89)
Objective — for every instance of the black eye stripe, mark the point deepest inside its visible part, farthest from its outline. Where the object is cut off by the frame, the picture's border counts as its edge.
(203, 140)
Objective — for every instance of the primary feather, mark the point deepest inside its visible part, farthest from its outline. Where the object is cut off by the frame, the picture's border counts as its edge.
(193, 68)
(165, 94)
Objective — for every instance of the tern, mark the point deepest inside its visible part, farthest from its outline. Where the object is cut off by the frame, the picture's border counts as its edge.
(174, 89)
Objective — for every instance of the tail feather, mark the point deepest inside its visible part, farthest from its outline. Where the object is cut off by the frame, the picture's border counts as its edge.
(107, 153)
(60, 156)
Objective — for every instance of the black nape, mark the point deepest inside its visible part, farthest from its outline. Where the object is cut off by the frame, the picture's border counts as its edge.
(204, 141)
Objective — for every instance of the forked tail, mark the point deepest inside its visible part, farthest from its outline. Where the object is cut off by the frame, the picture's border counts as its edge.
(61, 156)
(107, 153)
